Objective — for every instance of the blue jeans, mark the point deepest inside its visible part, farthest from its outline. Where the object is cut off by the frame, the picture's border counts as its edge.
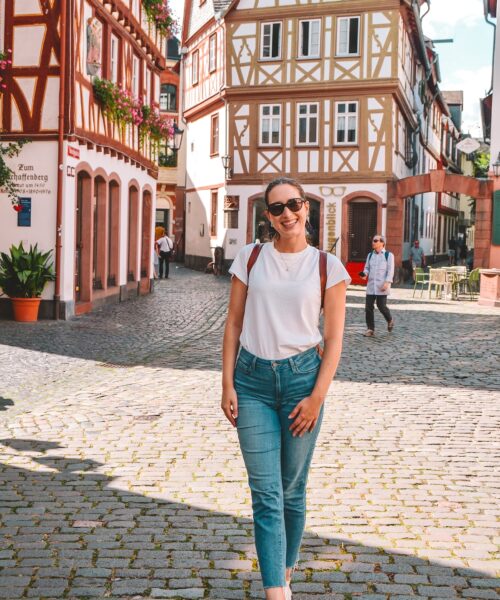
(277, 463)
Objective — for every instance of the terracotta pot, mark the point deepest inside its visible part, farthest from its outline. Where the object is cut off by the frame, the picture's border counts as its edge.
(25, 309)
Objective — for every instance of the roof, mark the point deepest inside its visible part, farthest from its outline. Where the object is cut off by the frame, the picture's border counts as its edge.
(453, 97)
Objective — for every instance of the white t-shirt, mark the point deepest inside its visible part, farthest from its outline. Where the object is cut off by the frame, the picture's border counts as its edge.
(165, 244)
(283, 300)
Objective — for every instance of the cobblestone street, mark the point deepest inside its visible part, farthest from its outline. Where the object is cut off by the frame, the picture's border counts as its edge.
(121, 478)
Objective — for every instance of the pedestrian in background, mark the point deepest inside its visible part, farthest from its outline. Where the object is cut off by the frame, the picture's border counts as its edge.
(417, 257)
(164, 247)
(275, 387)
(452, 245)
(379, 270)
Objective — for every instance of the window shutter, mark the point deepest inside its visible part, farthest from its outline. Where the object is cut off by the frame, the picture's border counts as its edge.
(495, 237)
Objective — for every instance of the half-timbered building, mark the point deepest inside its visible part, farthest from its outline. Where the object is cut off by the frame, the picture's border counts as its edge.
(87, 176)
(343, 95)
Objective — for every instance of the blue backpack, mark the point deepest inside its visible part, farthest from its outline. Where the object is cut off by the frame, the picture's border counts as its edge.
(386, 254)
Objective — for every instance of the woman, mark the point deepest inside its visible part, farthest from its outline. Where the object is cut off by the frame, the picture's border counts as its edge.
(274, 389)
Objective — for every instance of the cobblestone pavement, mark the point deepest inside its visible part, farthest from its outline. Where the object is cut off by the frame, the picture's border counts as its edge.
(120, 478)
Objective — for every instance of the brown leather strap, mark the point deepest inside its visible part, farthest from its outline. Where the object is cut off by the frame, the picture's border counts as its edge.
(323, 258)
(253, 257)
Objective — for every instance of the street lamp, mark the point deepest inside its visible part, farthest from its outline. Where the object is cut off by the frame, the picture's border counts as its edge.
(174, 142)
(226, 163)
(496, 166)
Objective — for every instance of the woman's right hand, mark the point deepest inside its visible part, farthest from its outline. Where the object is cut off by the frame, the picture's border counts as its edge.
(229, 405)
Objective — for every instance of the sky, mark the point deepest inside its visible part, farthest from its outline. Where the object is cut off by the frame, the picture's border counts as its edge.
(466, 63)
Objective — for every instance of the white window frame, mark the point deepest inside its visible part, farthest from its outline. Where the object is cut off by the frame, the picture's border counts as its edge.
(310, 53)
(263, 36)
(212, 53)
(340, 41)
(270, 118)
(195, 67)
(113, 58)
(345, 116)
(308, 116)
(136, 63)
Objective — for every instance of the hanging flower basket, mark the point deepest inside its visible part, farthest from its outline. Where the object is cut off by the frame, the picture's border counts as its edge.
(159, 14)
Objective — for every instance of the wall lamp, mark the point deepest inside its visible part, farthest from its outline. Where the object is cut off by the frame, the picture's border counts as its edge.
(226, 163)
(174, 142)
(496, 166)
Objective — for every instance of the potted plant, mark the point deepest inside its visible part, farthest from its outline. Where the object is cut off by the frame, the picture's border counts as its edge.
(23, 275)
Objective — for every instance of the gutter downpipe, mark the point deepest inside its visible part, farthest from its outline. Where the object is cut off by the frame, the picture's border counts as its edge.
(60, 156)
(494, 43)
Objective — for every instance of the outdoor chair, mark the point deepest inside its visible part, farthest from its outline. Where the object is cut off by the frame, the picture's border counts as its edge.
(470, 284)
(437, 278)
(421, 279)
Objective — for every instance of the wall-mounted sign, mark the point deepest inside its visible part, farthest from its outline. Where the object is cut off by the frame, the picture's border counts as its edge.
(94, 42)
(231, 202)
(24, 215)
(74, 152)
(468, 145)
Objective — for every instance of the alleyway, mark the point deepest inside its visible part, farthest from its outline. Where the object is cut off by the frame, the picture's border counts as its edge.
(121, 478)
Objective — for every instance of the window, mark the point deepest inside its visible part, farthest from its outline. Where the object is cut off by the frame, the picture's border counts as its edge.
(347, 36)
(270, 46)
(113, 65)
(270, 124)
(309, 38)
(213, 214)
(307, 123)
(168, 97)
(231, 219)
(214, 135)
(408, 144)
(212, 53)
(194, 67)
(135, 77)
(346, 119)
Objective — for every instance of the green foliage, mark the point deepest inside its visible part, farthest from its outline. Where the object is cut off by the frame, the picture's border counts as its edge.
(24, 273)
(158, 14)
(7, 183)
(481, 164)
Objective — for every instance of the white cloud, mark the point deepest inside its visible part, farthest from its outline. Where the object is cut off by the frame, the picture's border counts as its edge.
(474, 83)
(444, 16)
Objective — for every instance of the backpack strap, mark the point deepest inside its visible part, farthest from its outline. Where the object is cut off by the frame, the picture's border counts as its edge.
(254, 255)
(323, 260)
(386, 255)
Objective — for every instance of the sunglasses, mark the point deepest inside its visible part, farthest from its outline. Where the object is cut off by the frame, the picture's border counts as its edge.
(377, 240)
(277, 208)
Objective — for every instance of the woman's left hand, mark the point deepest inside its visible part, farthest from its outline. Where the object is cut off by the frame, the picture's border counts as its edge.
(305, 416)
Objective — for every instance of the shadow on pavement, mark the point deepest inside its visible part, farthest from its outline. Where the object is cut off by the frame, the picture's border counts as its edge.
(427, 347)
(66, 531)
(5, 403)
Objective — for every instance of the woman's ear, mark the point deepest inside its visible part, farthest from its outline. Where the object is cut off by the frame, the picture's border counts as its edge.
(267, 215)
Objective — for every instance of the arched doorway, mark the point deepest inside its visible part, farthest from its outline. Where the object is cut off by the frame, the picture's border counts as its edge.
(83, 238)
(113, 234)
(362, 226)
(99, 234)
(133, 233)
(146, 237)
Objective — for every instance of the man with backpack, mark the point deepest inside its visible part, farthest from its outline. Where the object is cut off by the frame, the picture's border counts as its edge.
(379, 269)
(164, 247)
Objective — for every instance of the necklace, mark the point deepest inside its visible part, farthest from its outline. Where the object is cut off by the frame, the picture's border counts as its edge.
(293, 258)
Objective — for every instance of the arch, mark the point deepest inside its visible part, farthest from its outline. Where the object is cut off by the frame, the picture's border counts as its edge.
(146, 238)
(84, 167)
(114, 227)
(84, 183)
(113, 176)
(441, 181)
(346, 200)
(133, 232)
(100, 233)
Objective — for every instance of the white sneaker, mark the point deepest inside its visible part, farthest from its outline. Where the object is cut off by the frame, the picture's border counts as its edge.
(288, 592)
